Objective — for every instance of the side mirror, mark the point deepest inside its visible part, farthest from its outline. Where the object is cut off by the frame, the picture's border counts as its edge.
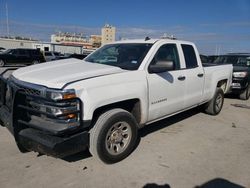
(161, 66)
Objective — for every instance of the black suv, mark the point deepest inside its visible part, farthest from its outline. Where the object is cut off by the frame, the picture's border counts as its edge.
(241, 72)
(21, 57)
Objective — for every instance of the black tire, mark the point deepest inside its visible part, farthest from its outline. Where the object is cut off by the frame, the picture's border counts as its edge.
(107, 136)
(2, 63)
(246, 93)
(214, 106)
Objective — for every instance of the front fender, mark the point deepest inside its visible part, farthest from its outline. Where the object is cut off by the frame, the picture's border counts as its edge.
(110, 89)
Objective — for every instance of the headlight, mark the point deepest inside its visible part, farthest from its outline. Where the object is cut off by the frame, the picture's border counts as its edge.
(240, 74)
(63, 109)
(63, 112)
(60, 95)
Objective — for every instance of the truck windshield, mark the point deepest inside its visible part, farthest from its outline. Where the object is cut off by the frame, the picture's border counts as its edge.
(126, 56)
(235, 60)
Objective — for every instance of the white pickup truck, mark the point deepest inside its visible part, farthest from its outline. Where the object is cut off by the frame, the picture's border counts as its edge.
(99, 103)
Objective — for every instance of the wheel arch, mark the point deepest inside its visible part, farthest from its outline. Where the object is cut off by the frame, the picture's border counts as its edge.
(223, 85)
(131, 105)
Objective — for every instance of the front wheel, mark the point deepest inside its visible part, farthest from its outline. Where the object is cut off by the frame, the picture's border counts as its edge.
(246, 93)
(113, 136)
(214, 106)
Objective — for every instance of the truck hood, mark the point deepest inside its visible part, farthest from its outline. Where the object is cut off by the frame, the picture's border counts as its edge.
(56, 74)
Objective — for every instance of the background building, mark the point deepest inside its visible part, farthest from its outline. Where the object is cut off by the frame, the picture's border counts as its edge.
(43, 46)
(68, 37)
(63, 42)
(95, 40)
(10, 43)
(108, 34)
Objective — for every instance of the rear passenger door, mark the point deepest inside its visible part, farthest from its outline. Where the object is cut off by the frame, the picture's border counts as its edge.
(194, 76)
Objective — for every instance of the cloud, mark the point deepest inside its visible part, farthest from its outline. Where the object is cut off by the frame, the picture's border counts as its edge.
(43, 31)
(227, 24)
(207, 36)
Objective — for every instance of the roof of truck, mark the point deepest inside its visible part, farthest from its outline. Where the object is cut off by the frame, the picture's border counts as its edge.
(146, 41)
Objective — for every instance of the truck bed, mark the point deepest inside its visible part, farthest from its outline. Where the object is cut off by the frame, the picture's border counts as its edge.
(212, 74)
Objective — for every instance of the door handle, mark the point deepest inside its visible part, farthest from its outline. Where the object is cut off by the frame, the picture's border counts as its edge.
(181, 78)
(200, 75)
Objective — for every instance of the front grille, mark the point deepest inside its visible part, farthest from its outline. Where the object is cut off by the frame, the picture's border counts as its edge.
(26, 88)
(32, 109)
(29, 91)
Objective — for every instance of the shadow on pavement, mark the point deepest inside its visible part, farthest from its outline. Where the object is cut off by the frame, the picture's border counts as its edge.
(232, 96)
(168, 121)
(154, 185)
(143, 132)
(220, 183)
(215, 183)
(78, 156)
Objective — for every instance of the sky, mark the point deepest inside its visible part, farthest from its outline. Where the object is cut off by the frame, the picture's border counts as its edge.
(216, 26)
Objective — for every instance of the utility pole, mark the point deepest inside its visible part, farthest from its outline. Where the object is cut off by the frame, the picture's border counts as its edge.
(7, 21)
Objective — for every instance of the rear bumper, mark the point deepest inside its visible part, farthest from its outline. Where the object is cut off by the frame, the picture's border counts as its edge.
(38, 141)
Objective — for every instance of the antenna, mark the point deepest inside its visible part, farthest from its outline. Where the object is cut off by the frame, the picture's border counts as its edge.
(7, 21)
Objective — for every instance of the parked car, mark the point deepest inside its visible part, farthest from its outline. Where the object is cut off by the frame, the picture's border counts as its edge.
(21, 56)
(51, 56)
(77, 104)
(241, 72)
(77, 56)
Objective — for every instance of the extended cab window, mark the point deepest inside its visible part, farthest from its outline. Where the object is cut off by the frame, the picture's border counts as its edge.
(190, 57)
(167, 52)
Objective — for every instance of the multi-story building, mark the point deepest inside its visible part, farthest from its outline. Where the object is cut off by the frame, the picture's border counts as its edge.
(108, 34)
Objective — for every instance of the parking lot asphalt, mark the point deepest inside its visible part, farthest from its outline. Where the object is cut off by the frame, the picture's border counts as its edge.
(191, 149)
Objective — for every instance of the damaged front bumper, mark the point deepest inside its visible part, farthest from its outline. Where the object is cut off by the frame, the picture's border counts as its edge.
(41, 124)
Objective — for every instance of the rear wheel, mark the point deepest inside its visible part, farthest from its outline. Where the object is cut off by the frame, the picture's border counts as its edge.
(215, 105)
(113, 136)
(1, 63)
(246, 93)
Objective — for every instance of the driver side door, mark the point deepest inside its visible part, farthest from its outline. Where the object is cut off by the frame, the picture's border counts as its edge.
(166, 89)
